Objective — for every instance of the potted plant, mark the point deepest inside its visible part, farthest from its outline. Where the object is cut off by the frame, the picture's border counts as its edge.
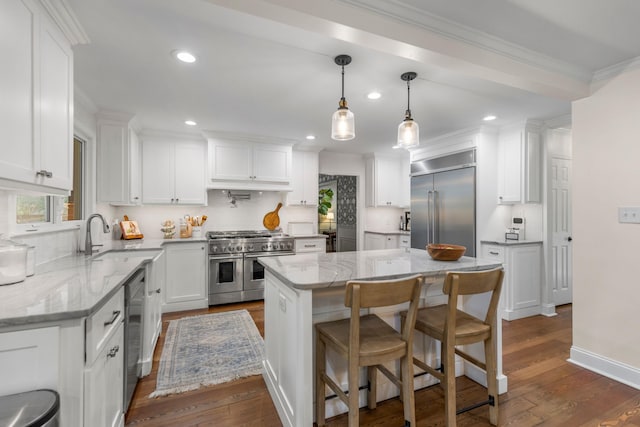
(325, 195)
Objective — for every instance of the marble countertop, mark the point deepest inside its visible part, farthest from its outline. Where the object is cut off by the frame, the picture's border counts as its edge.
(76, 286)
(511, 242)
(322, 270)
(390, 233)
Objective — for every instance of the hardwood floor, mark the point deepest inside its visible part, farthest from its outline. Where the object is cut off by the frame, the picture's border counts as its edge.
(544, 389)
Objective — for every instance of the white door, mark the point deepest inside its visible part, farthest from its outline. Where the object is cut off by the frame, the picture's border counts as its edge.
(561, 251)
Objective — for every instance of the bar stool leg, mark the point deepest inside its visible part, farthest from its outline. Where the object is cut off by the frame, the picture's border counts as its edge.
(492, 380)
(354, 382)
(320, 387)
(372, 394)
(448, 356)
(406, 369)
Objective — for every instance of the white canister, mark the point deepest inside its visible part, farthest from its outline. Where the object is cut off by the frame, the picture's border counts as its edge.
(13, 262)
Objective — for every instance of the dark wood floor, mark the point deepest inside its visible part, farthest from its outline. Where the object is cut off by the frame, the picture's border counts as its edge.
(544, 389)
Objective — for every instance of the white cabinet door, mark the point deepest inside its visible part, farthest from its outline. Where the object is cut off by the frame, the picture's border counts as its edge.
(519, 166)
(154, 283)
(304, 179)
(157, 172)
(231, 161)
(186, 286)
(135, 169)
(271, 163)
(103, 383)
(189, 173)
(387, 182)
(56, 100)
(173, 172)
(18, 28)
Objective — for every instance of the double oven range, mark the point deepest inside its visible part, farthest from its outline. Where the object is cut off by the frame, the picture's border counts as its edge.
(234, 272)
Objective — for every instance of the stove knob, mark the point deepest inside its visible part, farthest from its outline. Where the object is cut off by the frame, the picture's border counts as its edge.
(239, 248)
(265, 247)
(250, 248)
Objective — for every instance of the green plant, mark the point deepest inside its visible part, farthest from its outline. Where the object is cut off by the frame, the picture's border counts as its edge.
(325, 195)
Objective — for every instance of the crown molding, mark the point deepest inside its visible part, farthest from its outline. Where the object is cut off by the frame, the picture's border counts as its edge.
(406, 13)
(234, 136)
(169, 135)
(600, 77)
(560, 122)
(66, 20)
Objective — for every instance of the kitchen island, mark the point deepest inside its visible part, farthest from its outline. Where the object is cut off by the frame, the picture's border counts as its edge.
(305, 289)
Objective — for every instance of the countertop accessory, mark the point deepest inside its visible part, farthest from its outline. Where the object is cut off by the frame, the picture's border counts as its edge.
(130, 229)
(408, 130)
(445, 252)
(13, 262)
(169, 229)
(512, 234)
(342, 121)
(271, 220)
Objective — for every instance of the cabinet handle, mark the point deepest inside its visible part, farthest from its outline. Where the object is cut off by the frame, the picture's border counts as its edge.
(177, 200)
(113, 351)
(309, 246)
(494, 253)
(44, 173)
(158, 291)
(113, 318)
(136, 198)
(172, 199)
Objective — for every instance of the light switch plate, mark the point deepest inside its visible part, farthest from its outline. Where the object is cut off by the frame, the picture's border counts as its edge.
(629, 215)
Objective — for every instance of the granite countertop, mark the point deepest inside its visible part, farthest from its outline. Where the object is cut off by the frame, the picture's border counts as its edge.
(322, 270)
(390, 233)
(511, 242)
(308, 236)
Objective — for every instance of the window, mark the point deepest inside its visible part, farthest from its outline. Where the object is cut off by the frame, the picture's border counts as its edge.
(35, 209)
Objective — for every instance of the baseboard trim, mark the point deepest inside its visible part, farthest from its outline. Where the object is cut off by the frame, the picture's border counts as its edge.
(610, 368)
(549, 310)
(480, 376)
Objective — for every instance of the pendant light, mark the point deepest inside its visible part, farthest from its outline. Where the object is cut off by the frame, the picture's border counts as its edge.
(342, 122)
(408, 130)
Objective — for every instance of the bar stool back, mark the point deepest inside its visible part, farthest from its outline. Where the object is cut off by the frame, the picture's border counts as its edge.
(369, 341)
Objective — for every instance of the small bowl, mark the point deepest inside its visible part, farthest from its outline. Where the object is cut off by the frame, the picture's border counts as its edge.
(445, 252)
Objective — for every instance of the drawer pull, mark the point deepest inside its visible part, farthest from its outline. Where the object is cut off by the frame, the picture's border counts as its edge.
(309, 246)
(494, 253)
(113, 318)
(113, 351)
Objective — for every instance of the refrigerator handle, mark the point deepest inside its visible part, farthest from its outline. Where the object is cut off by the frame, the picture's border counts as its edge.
(436, 219)
(430, 212)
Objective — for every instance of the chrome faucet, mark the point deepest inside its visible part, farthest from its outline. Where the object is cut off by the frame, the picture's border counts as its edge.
(88, 245)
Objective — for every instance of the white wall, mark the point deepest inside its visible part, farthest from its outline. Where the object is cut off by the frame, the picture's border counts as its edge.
(606, 174)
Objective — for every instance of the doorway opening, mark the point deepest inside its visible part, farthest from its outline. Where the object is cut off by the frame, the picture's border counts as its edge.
(340, 222)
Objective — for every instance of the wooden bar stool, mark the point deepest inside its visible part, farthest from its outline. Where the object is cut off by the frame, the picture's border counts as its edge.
(453, 327)
(369, 341)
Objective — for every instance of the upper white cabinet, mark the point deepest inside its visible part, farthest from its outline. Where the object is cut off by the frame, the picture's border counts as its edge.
(304, 180)
(37, 142)
(519, 165)
(246, 163)
(173, 170)
(387, 182)
(118, 160)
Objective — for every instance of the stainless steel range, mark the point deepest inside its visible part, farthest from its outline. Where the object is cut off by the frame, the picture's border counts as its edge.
(234, 273)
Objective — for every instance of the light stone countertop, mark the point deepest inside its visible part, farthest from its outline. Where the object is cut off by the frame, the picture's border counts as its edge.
(77, 285)
(390, 233)
(321, 270)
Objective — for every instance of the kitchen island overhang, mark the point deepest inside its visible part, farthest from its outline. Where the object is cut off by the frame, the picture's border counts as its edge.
(305, 289)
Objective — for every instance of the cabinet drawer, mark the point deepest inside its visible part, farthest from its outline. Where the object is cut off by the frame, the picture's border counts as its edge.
(101, 324)
(404, 241)
(493, 252)
(310, 245)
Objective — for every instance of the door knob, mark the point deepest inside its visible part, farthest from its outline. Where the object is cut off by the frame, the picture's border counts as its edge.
(569, 238)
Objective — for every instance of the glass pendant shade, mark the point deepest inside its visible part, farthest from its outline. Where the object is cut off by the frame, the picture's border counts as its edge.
(343, 126)
(408, 133)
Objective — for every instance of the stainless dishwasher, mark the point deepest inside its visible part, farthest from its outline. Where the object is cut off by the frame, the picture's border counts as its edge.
(133, 316)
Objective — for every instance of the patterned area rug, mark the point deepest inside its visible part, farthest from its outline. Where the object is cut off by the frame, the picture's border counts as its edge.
(209, 349)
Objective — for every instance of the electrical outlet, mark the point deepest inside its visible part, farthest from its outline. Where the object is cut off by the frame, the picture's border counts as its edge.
(629, 215)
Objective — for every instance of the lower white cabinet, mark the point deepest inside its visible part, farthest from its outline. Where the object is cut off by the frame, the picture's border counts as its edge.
(103, 384)
(155, 277)
(310, 244)
(185, 286)
(522, 286)
(373, 241)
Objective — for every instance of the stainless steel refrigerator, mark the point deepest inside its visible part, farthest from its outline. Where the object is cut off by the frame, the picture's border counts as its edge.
(443, 208)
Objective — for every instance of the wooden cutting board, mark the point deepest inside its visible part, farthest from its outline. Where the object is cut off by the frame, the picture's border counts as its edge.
(271, 220)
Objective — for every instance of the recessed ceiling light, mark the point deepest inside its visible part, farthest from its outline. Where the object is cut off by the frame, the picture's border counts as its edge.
(311, 137)
(184, 56)
(190, 122)
(489, 118)
(374, 95)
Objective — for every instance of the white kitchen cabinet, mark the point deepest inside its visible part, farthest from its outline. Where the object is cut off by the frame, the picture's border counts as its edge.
(104, 366)
(173, 171)
(373, 241)
(118, 161)
(304, 179)
(37, 130)
(240, 163)
(154, 283)
(186, 285)
(310, 244)
(387, 182)
(519, 165)
(522, 286)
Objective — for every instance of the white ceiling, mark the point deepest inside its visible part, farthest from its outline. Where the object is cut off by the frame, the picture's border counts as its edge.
(271, 72)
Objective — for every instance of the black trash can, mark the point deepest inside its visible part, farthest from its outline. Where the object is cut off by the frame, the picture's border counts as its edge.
(38, 408)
